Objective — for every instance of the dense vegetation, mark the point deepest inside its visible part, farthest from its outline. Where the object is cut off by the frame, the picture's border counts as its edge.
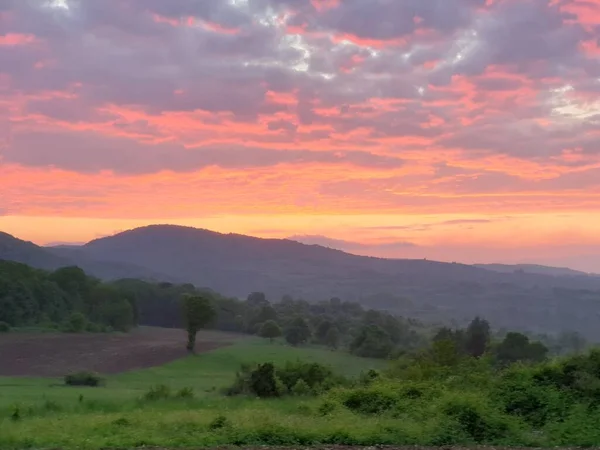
(65, 298)
(435, 397)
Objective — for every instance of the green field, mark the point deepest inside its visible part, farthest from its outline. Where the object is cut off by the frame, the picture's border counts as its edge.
(51, 415)
(206, 373)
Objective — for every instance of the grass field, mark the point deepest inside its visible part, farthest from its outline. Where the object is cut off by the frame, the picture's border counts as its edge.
(51, 415)
(206, 373)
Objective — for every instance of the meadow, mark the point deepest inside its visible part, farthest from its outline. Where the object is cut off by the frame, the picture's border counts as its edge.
(40, 412)
(416, 402)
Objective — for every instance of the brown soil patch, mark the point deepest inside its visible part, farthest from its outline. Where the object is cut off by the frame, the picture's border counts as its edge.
(51, 355)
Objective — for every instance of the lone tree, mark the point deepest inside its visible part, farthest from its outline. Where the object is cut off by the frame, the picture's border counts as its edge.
(477, 338)
(298, 332)
(198, 311)
(270, 330)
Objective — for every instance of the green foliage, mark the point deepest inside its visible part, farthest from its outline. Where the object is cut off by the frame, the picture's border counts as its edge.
(185, 393)
(76, 323)
(158, 392)
(83, 379)
(370, 400)
(517, 347)
(298, 378)
(198, 311)
(270, 330)
(301, 388)
(219, 423)
(30, 297)
(298, 332)
(476, 419)
(263, 381)
(372, 341)
(4, 327)
(477, 337)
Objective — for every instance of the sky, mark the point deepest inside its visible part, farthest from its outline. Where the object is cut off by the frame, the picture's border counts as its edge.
(458, 130)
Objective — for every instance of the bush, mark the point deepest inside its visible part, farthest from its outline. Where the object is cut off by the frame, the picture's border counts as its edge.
(76, 323)
(218, 423)
(373, 400)
(368, 377)
(326, 408)
(479, 422)
(316, 376)
(158, 392)
(4, 327)
(301, 388)
(266, 380)
(186, 393)
(83, 379)
(519, 394)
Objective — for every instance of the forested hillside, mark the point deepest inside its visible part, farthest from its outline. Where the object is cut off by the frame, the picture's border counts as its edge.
(66, 298)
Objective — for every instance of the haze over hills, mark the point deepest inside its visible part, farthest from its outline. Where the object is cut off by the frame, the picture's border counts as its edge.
(235, 265)
(52, 258)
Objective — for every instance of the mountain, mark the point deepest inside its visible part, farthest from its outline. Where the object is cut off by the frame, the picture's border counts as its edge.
(48, 258)
(13, 249)
(236, 265)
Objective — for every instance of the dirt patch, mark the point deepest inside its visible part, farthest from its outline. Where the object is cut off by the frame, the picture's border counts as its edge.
(51, 355)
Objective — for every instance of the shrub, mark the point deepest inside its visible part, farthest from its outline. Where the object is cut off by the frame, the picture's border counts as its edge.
(121, 422)
(76, 323)
(186, 392)
(368, 377)
(83, 379)
(326, 408)
(373, 400)
(4, 327)
(316, 376)
(519, 394)
(266, 380)
(301, 388)
(158, 392)
(218, 423)
(481, 423)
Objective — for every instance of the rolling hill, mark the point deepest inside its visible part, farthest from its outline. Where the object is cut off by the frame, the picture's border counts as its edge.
(236, 265)
(13, 249)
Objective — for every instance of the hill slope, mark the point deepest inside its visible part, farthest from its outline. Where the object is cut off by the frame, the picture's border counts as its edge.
(532, 268)
(13, 249)
(236, 265)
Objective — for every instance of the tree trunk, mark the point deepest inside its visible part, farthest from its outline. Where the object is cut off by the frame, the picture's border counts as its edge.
(191, 343)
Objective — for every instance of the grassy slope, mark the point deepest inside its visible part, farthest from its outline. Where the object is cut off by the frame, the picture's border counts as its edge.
(204, 372)
(52, 415)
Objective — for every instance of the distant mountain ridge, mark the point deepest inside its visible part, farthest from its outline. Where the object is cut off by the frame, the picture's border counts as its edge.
(533, 268)
(236, 265)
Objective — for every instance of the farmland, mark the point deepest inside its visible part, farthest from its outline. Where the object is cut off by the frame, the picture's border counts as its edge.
(55, 354)
(55, 415)
(419, 405)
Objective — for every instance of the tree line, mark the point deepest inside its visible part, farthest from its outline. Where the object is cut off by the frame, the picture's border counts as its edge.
(66, 299)
(73, 301)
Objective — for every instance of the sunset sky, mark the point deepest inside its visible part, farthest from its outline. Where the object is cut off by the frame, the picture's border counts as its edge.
(459, 130)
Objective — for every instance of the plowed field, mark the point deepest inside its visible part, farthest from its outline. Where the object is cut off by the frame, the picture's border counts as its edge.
(49, 354)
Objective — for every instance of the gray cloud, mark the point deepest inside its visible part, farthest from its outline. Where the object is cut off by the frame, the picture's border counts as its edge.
(233, 55)
(94, 153)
